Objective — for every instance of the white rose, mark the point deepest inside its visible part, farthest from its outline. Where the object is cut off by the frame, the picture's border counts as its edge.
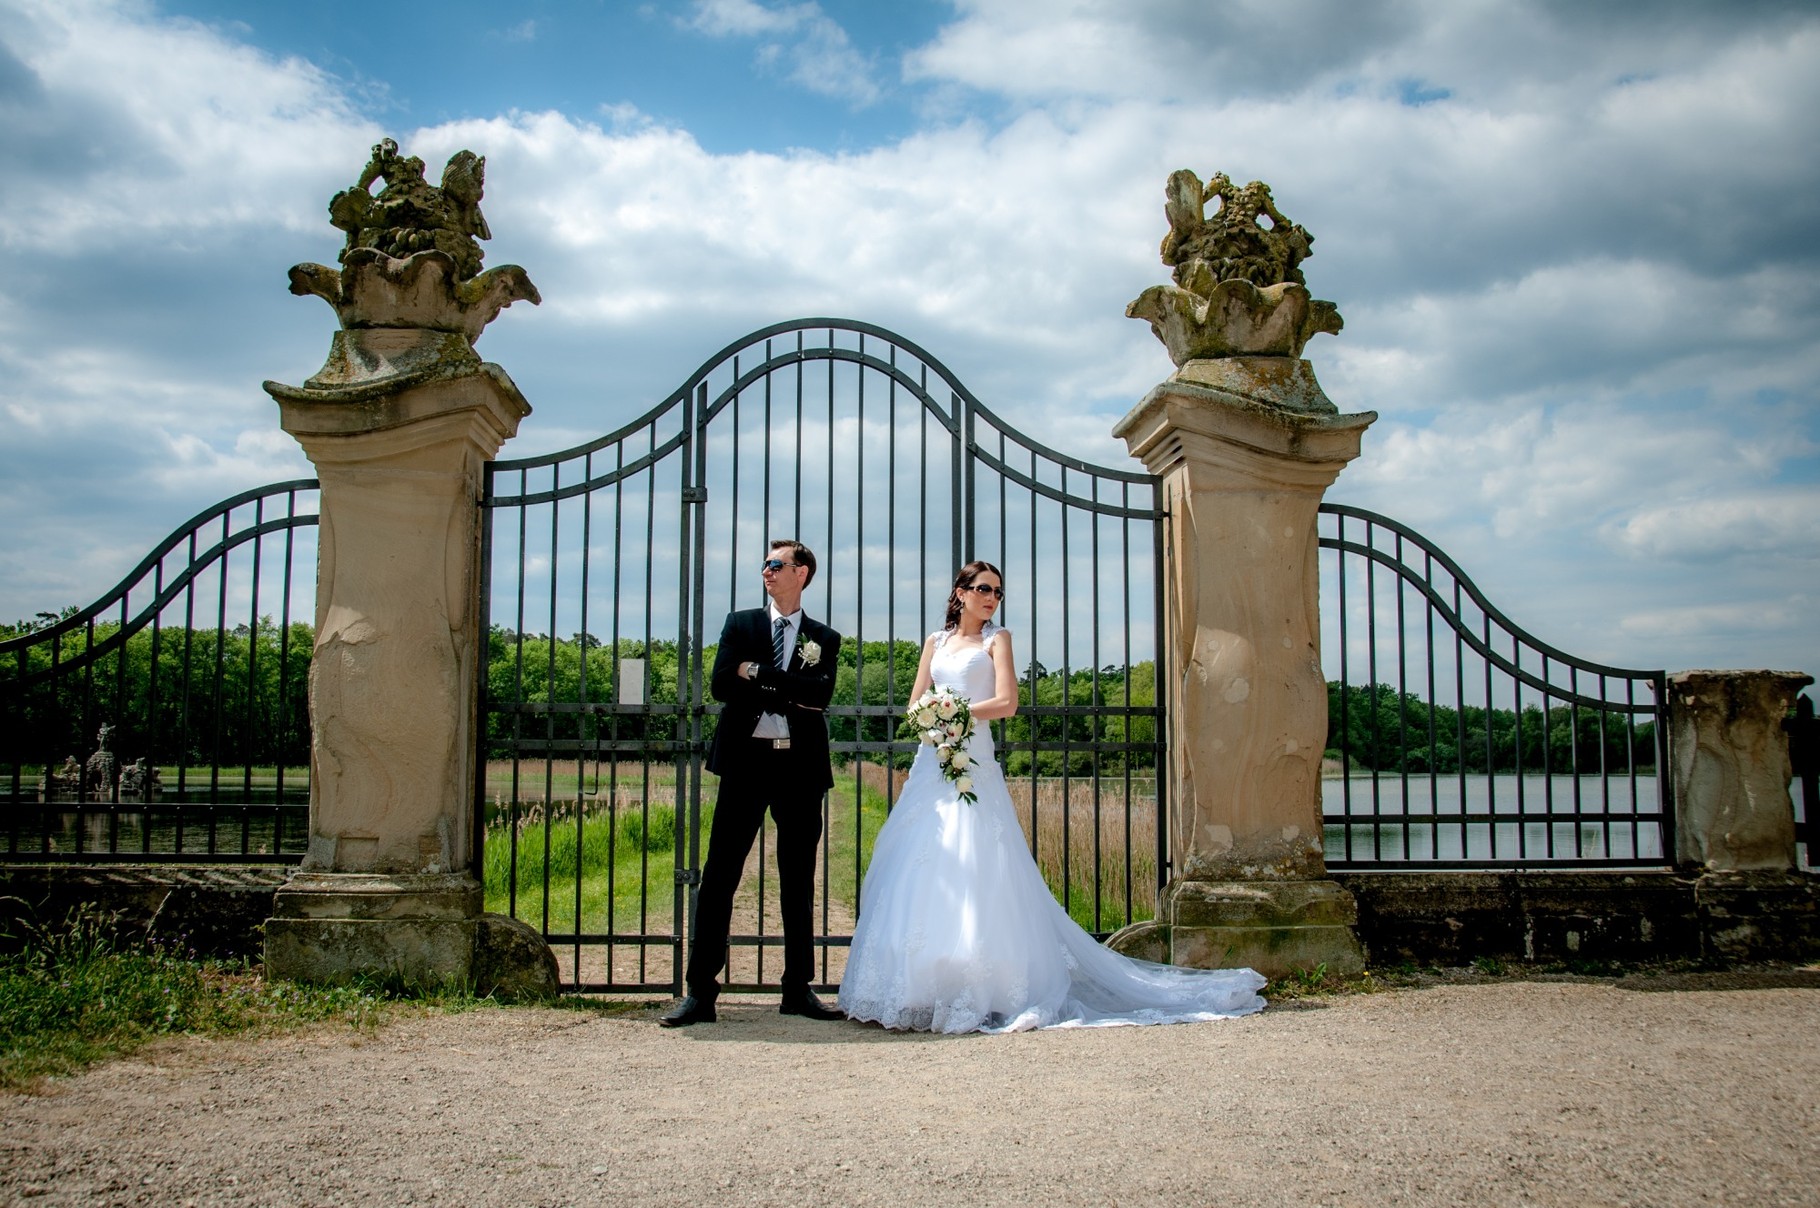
(946, 707)
(960, 762)
(964, 784)
(925, 717)
(811, 653)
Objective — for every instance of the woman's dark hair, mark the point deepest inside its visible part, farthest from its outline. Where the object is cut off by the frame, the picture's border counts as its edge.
(965, 578)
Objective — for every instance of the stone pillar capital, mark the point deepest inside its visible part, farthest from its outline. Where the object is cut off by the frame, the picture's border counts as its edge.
(1227, 439)
(480, 409)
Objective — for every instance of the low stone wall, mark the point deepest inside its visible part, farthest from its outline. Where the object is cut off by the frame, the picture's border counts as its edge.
(1452, 918)
(214, 911)
(1445, 918)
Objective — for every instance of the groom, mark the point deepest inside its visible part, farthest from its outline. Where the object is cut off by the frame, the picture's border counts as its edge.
(774, 672)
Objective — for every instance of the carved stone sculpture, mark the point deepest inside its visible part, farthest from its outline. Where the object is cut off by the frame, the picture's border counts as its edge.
(140, 781)
(410, 293)
(102, 768)
(61, 783)
(1238, 289)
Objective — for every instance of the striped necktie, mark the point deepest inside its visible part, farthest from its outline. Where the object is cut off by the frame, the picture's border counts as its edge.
(779, 651)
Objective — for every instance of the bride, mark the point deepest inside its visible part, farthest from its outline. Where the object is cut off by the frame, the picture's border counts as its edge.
(957, 930)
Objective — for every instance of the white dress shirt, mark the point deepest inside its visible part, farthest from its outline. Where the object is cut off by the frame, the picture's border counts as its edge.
(773, 725)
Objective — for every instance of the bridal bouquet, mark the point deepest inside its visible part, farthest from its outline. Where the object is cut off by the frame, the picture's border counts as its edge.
(940, 718)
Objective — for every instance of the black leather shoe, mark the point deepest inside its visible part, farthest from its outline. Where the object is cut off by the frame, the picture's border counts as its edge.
(804, 1003)
(690, 1010)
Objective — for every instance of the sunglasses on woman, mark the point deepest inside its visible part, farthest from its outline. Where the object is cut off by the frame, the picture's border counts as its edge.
(985, 589)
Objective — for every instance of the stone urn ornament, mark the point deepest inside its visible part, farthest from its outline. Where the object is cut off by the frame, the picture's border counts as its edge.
(410, 293)
(1239, 313)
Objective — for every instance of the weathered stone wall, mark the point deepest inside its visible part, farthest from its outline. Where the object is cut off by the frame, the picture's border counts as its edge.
(213, 911)
(1445, 918)
(1451, 918)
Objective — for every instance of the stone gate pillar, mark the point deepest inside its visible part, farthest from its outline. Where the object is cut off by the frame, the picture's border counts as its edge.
(399, 423)
(1734, 821)
(1728, 752)
(1246, 443)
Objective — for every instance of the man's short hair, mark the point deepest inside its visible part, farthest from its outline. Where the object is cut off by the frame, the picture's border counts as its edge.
(799, 554)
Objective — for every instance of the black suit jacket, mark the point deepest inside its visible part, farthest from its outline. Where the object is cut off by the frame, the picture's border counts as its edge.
(799, 694)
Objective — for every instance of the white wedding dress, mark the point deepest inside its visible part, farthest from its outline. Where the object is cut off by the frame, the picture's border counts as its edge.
(958, 932)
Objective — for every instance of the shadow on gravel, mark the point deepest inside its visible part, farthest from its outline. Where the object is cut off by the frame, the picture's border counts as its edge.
(1761, 979)
(746, 1021)
(1639, 980)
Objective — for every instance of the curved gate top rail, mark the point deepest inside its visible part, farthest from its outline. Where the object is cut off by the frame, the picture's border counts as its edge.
(235, 530)
(1462, 740)
(772, 360)
(610, 564)
(192, 665)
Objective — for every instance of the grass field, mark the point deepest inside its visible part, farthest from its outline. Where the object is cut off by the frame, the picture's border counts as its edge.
(595, 852)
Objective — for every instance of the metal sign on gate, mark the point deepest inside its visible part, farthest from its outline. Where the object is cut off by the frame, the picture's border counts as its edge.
(607, 569)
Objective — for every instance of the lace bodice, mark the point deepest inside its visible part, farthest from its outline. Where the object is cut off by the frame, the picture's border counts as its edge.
(967, 670)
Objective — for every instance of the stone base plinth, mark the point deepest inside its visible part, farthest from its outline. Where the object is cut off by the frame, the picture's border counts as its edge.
(333, 927)
(424, 932)
(1763, 915)
(1275, 927)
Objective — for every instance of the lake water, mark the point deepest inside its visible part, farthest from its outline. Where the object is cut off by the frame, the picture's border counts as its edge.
(1535, 819)
(167, 829)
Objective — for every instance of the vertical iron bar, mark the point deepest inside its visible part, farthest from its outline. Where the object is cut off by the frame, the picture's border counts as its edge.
(1345, 743)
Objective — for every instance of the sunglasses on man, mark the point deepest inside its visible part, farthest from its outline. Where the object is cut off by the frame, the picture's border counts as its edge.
(773, 565)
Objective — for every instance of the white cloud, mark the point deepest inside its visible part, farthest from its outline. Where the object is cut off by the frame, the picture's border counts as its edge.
(801, 42)
(131, 129)
(1585, 308)
(747, 18)
(1783, 522)
(1758, 618)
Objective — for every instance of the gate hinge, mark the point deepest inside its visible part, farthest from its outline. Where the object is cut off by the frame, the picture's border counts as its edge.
(688, 876)
(695, 494)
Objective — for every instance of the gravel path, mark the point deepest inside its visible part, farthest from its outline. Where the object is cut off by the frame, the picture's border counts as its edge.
(1653, 1091)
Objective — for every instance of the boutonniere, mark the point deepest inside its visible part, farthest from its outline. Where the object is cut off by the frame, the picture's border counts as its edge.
(809, 652)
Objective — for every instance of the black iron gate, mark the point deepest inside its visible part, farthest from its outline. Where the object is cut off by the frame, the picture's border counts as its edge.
(1457, 739)
(609, 566)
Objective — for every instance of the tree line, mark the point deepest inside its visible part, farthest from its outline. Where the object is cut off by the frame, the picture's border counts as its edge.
(240, 696)
(180, 695)
(1376, 728)
(534, 671)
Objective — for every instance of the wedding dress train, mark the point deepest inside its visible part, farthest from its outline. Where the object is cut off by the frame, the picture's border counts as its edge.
(958, 932)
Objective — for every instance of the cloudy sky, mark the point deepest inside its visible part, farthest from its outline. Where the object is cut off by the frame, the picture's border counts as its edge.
(1576, 247)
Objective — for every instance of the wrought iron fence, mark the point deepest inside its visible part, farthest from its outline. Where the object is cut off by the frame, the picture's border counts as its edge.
(176, 702)
(609, 566)
(1459, 740)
